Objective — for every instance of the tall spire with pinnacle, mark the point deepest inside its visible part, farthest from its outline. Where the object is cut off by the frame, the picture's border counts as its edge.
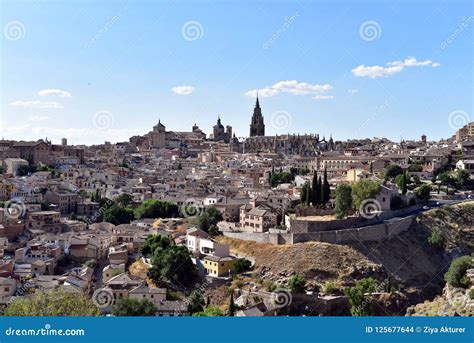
(257, 125)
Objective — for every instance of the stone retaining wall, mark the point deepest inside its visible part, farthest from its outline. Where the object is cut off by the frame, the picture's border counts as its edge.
(377, 232)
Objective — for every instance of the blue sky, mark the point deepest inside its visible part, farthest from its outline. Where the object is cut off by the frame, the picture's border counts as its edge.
(105, 70)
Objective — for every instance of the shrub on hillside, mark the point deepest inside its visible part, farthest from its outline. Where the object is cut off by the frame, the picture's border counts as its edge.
(437, 238)
(456, 275)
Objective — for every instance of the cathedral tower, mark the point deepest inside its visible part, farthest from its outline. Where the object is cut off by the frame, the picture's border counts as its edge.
(257, 126)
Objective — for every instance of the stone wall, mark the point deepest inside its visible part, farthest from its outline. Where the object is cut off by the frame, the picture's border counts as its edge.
(376, 232)
(311, 226)
(273, 238)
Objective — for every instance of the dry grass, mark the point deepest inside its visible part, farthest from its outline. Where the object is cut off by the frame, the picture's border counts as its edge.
(313, 259)
(140, 269)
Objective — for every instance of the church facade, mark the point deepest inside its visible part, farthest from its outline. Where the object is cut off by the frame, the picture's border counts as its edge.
(304, 145)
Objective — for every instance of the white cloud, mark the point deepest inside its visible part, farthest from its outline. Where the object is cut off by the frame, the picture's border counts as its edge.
(54, 92)
(183, 90)
(36, 104)
(353, 91)
(323, 97)
(392, 68)
(37, 118)
(292, 87)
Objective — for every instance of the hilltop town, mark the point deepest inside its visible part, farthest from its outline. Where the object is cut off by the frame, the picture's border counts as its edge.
(187, 223)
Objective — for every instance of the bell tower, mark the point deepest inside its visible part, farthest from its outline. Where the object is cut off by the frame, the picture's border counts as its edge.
(257, 125)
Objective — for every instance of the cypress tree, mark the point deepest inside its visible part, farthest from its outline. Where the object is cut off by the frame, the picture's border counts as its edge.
(320, 190)
(316, 193)
(326, 190)
(308, 195)
(231, 305)
(404, 183)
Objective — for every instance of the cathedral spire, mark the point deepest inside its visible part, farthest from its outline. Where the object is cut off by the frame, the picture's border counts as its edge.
(257, 126)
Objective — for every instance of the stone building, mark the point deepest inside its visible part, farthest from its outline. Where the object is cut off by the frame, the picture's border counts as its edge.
(221, 134)
(257, 125)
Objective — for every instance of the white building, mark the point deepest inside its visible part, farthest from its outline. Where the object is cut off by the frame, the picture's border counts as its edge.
(199, 242)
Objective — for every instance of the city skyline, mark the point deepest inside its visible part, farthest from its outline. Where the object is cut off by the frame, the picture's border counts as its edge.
(345, 73)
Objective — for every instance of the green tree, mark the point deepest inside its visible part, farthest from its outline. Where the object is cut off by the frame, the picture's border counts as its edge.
(305, 192)
(404, 183)
(24, 170)
(363, 190)
(134, 307)
(436, 238)
(320, 186)
(54, 303)
(124, 200)
(279, 178)
(172, 264)
(456, 274)
(242, 265)
(2, 170)
(195, 302)
(118, 215)
(156, 209)
(210, 217)
(343, 200)
(83, 193)
(402, 180)
(462, 177)
(316, 190)
(210, 311)
(392, 171)
(423, 192)
(152, 242)
(297, 283)
(326, 188)
(357, 297)
(415, 167)
(231, 308)
(445, 178)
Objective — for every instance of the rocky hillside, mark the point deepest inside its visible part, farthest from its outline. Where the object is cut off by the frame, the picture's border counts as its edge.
(452, 302)
(413, 265)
